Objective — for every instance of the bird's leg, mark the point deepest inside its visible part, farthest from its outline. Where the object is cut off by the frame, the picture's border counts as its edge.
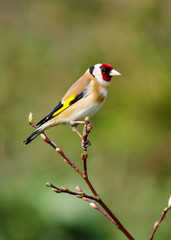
(78, 122)
(84, 143)
(74, 129)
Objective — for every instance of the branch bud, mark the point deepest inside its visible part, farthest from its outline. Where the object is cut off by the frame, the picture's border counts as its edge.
(64, 189)
(84, 156)
(92, 204)
(78, 189)
(155, 225)
(78, 196)
(84, 136)
(48, 184)
(57, 191)
(58, 150)
(30, 118)
(169, 202)
(65, 161)
(87, 118)
(43, 137)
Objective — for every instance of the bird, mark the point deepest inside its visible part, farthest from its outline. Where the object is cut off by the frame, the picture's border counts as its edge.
(84, 98)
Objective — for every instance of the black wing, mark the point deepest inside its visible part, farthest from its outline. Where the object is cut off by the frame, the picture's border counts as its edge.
(49, 116)
(61, 107)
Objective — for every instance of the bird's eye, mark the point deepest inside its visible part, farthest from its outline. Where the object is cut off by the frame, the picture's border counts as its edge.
(104, 69)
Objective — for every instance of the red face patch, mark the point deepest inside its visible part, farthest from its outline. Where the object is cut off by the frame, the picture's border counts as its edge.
(105, 70)
(106, 77)
(106, 65)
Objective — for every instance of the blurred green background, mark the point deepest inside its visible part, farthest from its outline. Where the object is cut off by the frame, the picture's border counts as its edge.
(44, 47)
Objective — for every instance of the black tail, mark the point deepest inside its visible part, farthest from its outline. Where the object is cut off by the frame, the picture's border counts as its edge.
(32, 136)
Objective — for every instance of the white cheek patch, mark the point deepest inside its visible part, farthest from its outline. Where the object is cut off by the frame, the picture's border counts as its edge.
(98, 74)
(97, 71)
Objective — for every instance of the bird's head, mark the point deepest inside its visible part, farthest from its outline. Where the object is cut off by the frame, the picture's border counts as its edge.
(103, 72)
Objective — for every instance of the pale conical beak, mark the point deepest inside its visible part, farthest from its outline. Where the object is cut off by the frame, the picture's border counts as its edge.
(114, 73)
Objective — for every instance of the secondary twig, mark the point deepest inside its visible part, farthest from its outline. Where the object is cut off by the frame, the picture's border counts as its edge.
(157, 224)
(78, 194)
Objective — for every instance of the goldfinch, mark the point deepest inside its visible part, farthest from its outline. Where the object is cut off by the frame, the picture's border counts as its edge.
(84, 98)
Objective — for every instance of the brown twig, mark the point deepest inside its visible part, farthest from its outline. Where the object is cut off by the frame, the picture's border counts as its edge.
(95, 206)
(52, 144)
(85, 143)
(157, 224)
(79, 194)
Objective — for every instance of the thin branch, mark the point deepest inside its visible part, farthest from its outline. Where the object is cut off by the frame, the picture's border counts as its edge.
(66, 190)
(95, 206)
(82, 196)
(86, 130)
(84, 158)
(52, 144)
(157, 224)
(85, 143)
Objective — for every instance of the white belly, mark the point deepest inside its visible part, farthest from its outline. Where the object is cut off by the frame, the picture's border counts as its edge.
(89, 111)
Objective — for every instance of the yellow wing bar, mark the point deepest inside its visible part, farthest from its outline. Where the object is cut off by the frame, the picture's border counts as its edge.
(66, 104)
